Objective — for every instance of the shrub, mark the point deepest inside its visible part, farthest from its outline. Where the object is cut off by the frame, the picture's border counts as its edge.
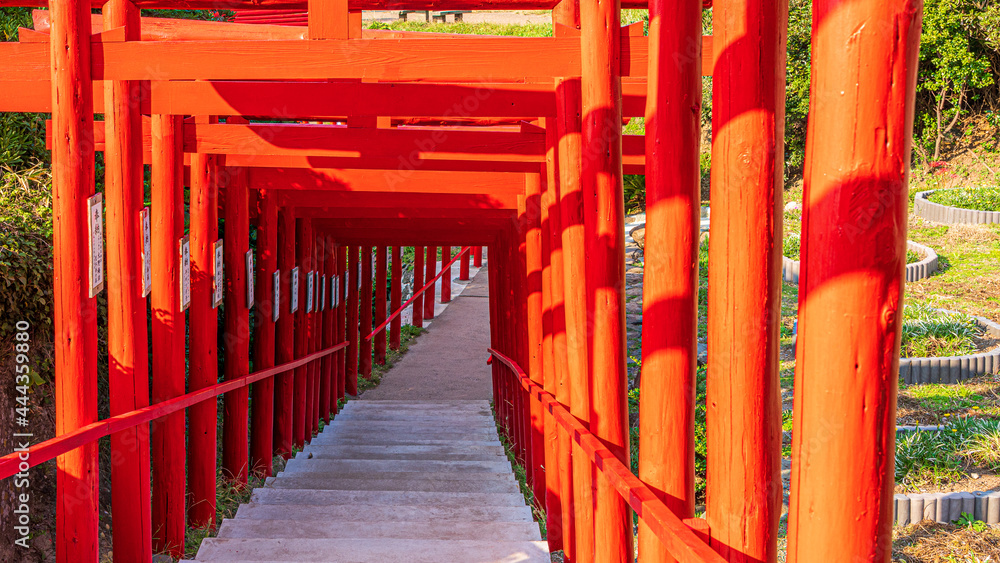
(980, 199)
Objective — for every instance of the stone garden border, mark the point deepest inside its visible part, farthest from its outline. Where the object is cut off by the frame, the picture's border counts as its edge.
(946, 507)
(953, 369)
(949, 215)
(916, 271)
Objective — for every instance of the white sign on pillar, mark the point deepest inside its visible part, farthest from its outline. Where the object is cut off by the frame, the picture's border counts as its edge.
(185, 281)
(309, 292)
(217, 275)
(147, 263)
(95, 224)
(322, 293)
(335, 291)
(250, 278)
(294, 297)
(276, 295)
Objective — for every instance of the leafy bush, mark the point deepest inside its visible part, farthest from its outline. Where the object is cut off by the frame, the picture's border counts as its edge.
(25, 248)
(792, 246)
(22, 135)
(980, 199)
(928, 332)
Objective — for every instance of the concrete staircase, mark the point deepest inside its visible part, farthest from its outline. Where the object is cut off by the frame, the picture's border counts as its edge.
(387, 482)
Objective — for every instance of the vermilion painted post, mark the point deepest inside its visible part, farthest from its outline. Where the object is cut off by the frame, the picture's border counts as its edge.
(128, 377)
(352, 321)
(576, 313)
(601, 143)
(551, 500)
(315, 338)
(366, 311)
(284, 386)
(851, 288)
(322, 382)
(564, 461)
(236, 356)
(743, 491)
(463, 268)
(396, 297)
(418, 282)
(328, 389)
(430, 270)
(342, 320)
(446, 279)
(74, 308)
(381, 280)
(167, 435)
(670, 289)
(303, 248)
(266, 262)
(477, 256)
(533, 289)
(203, 353)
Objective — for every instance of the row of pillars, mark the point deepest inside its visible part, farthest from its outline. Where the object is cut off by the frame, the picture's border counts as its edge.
(557, 285)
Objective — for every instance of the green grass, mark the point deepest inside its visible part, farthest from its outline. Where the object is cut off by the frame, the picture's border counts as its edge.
(931, 333)
(981, 199)
(944, 398)
(935, 457)
(507, 30)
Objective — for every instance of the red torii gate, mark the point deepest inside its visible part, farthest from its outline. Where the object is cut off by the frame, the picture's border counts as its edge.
(556, 243)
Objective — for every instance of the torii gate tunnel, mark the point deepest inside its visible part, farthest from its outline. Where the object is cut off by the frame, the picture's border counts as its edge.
(328, 141)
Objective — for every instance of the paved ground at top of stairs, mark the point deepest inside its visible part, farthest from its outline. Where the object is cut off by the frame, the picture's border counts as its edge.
(449, 362)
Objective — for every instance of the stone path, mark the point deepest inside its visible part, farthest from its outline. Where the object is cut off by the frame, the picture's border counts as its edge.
(413, 472)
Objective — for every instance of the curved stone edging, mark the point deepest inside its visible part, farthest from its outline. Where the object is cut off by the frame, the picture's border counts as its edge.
(916, 271)
(946, 507)
(949, 215)
(953, 369)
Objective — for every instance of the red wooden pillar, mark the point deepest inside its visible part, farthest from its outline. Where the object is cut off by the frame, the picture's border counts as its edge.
(236, 356)
(670, 289)
(366, 311)
(430, 270)
(303, 247)
(446, 278)
(167, 228)
(559, 385)
(851, 287)
(74, 307)
(352, 321)
(284, 386)
(396, 297)
(576, 314)
(495, 366)
(127, 338)
(341, 319)
(322, 396)
(463, 268)
(315, 337)
(266, 263)
(601, 101)
(203, 353)
(477, 256)
(532, 237)
(418, 283)
(744, 396)
(550, 500)
(328, 389)
(381, 280)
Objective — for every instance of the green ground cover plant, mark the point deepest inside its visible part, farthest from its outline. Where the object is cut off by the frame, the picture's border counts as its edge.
(980, 199)
(934, 457)
(928, 332)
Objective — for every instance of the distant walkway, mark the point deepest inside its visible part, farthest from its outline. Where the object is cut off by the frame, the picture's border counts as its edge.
(449, 362)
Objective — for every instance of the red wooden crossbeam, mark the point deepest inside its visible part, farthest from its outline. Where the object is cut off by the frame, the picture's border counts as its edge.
(678, 535)
(49, 449)
(397, 202)
(393, 181)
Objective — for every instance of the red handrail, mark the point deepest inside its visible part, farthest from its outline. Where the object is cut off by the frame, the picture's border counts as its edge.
(685, 539)
(427, 285)
(49, 449)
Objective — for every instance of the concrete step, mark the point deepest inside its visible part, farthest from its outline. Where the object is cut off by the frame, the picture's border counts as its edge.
(327, 498)
(395, 419)
(386, 513)
(334, 432)
(422, 529)
(306, 468)
(302, 462)
(431, 483)
(421, 405)
(406, 452)
(367, 551)
(391, 440)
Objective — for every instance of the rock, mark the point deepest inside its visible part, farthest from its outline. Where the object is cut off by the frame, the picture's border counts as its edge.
(793, 206)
